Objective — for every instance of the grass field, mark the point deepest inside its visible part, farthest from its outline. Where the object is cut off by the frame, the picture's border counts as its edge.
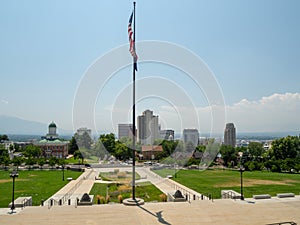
(256, 182)
(40, 184)
(145, 190)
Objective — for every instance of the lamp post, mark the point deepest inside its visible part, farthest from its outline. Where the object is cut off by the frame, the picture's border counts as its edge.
(63, 169)
(62, 162)
(13, 175)
(242, 169)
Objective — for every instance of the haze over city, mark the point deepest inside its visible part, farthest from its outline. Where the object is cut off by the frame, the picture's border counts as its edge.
(251, 50)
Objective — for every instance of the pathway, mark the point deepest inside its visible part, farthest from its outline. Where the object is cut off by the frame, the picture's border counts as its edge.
(76, 188)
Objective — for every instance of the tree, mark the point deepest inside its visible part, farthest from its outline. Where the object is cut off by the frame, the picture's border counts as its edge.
(73, 145)
(4, 157)
(78, 155)
(17, 161)
(30, 161)
(122, 152)
(256, 150)
(33, 151)
(288, 165)
(288, 147)
(251, 166)
(168, 147)
(200, 148)
(83, 140)
(41, 162)
(109, 142)
(52, 161)
(3, 137)
(11, 147)
(17, 147)
(228, 154)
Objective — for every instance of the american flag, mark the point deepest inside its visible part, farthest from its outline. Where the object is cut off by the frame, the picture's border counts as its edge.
(132, 41)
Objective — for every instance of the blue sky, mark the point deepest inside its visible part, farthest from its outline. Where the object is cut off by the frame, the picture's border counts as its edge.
(252, 48)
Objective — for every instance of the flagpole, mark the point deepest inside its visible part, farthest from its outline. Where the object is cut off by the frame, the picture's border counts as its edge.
(133, 111)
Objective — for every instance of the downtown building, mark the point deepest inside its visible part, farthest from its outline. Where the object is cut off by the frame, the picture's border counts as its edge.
(166, 135)
(125, 130)
(191, 136)
(147, 128)
(230, 135)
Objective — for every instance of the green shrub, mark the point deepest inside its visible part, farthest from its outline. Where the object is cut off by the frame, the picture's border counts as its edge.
(251, 166)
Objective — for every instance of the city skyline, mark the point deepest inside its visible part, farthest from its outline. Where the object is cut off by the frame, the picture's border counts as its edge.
(251, 48)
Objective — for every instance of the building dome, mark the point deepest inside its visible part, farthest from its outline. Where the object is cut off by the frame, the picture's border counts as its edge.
(52, 125)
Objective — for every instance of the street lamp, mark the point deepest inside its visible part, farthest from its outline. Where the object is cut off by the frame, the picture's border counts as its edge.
(63, 169)
(242, 169)
(13, 175)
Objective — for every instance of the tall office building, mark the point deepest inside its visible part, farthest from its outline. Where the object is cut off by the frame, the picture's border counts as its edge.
(191, 135)
(230, 135)
(166, 135)
(124, 130)
(147, 125)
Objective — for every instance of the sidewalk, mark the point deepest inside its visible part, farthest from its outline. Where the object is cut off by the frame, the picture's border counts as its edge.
(223, 212)
(74, 189)
(167, 185)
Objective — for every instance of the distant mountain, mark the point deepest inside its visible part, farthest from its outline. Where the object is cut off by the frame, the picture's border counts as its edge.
(14, 125)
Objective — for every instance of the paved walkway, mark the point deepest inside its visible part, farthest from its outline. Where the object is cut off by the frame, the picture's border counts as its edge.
(167, 185)
(74, 189)
(224, 212)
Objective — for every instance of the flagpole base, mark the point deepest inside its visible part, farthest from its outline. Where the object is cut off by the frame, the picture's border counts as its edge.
(133, 202)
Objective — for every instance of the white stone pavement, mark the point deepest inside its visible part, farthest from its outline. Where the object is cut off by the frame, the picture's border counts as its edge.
(221, 212)
(74, 189)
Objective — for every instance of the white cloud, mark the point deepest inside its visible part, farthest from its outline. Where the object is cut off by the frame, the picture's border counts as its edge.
(277, 112)
(4, 101)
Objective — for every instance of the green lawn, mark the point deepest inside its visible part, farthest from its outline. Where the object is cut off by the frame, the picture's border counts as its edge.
(144, 190)
(256, 182)
(40, 184)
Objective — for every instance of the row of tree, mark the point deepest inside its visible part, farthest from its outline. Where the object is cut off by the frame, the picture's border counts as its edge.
(29, 155)
(3, 137)
(108, 145)
(283, 156)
